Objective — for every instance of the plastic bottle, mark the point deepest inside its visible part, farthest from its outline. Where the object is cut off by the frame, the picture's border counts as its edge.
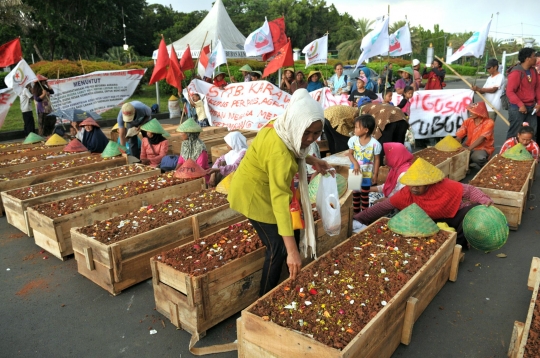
(355, 180)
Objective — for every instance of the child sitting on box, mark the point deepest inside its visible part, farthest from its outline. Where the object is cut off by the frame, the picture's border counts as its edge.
(524, 136)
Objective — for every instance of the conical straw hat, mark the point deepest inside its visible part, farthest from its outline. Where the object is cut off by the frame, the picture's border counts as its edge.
(225, 184)
(155, 127)
(112, 150)
(485, 228)
(518, 152)
(413, 222)
(422, 173)
(75, 146)
(89, 122)
(189, 126)
(189, 170)
(114, 128)
(173, 98)
(55, 139)
(33, 138)
(245, 68)
(448, 144)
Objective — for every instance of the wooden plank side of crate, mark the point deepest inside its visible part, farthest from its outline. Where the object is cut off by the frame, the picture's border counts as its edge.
(19, 145)
(30, 165)
(459, 165)
(530, 313)
(59, 229)
(15, 208)
(513, 215)
(31, 153)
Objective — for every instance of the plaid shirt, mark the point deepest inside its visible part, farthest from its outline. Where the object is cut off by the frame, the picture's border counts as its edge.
(531, 148)
(472, 131)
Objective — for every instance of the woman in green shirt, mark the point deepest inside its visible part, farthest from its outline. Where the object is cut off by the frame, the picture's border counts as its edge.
(260, 188)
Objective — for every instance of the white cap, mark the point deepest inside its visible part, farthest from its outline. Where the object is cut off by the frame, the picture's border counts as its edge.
(128, 112)
(415, 62)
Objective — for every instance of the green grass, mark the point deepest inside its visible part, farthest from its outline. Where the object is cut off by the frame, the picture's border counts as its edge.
(147, 96)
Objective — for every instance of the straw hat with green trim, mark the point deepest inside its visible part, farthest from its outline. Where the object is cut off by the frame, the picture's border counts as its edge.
(413, 222)
(408, 70)
(485, 228)
(219, 73)
(448, 144)
(311, 73)
(75, 146)
(257, 73)
(422, 173)
(55, 139)
(245, 68)
(112, 150)
(33, 138)
(518, 152)
(189, 126)
(154, 126)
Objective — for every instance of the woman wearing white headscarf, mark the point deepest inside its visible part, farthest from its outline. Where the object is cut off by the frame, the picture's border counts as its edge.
(261, 186)
(228, 163)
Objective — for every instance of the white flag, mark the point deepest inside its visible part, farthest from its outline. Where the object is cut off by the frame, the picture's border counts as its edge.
(260, 41)
(376, 42)
(216, 58)
(20, 77)
(474, 46)
(317, 51)
(400, 42)
(7, 97)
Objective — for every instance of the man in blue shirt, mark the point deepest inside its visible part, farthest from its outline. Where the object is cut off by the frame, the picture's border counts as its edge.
(133, 115)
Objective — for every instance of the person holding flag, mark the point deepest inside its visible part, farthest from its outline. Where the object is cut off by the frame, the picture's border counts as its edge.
(41, 94)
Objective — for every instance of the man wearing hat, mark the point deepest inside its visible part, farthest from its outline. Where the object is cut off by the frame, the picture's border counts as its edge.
(133, 115)
(493, 88)
(417, 76)
(246, 72)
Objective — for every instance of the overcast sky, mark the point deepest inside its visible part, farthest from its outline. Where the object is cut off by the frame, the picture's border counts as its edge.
(451, 15)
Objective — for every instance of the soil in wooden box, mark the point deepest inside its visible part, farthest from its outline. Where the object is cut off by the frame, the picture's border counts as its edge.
(434, 156)
(214, 251)
(532, 349)
(70, 205)
(153, 216)
(24, 150)
(34, 158)
(337, 296)
(49, 168)
(503, 174)
(59, 185)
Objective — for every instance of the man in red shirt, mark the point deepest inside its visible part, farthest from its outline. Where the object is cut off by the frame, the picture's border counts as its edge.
(435, 77)
(479, 132)
(523, 92)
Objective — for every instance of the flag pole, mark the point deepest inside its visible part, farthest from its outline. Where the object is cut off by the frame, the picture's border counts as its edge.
(478, 93)
(388, 56)
(195, 70)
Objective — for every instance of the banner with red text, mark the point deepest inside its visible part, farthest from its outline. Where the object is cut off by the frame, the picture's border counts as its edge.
(437, 113)
(7, 97)
(97, 91)
(250, 105)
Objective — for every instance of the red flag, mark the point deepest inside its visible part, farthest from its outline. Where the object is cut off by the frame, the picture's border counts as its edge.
(10, 53)
(160, 69)
(203, 60)
(174, 74)
(279, 39)
(284, 57)
(186, 62)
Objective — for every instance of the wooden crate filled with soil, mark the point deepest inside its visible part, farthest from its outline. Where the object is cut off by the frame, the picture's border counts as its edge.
(30, 161)
(506, 181)
(51, 222)
(32, 151)
(61, 169)
(361, 299)
(210, 140)
(454, 165)
(525, 340)
(17, 201)
(135, 237)
(15, 146)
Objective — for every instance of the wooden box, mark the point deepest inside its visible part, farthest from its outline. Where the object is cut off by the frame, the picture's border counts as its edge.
(459, 165)
(520, 333)
(125, 263)
(340, 161)
(379, 338)
(9, 147)
(31, 152)
(54, 235)
(444, 166)
(16, 208)
(59, 174)
(30, 164)
(197, 303)
(511, 203)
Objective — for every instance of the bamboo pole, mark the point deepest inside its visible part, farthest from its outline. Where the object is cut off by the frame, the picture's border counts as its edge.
(478, 93)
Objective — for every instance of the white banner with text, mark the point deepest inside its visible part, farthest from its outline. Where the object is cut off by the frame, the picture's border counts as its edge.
(7, 97)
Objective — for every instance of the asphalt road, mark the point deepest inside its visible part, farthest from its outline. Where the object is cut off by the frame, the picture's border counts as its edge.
(49, 310)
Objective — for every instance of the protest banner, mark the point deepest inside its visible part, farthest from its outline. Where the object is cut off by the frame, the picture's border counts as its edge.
(250, 105)
(97, 91)
(437, 113)
(7, 97)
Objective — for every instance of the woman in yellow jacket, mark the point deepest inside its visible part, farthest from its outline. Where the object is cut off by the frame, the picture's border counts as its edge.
(261, 186)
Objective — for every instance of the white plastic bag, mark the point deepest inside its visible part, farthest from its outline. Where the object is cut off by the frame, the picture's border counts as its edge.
(328, 205)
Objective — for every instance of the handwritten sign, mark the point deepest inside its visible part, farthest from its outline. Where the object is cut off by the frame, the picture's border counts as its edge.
(437, 113)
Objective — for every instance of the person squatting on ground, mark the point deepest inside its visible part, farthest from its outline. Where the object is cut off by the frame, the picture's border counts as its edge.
(524, 136)
(478, 129)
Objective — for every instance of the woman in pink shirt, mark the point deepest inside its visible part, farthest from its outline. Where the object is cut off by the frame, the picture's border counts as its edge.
(192, 146)
(154, 145)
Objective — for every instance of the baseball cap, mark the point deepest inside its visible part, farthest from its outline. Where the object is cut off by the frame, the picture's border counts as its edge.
(363, 78)
(492, 63)
(415, 62)
(128, 112)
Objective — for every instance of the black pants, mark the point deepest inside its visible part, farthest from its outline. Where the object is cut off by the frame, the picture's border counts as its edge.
(29, 124)
(133, 142)
(46, 124)
(393, 132)
(457, 223)
(276, 253)
(337, 142)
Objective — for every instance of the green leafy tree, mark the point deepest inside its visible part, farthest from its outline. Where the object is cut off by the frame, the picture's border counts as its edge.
(350, 49)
